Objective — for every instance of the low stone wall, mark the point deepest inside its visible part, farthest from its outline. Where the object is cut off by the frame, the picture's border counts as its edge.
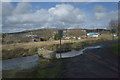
(63, 50)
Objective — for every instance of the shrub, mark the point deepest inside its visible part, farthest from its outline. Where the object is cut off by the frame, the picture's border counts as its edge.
(56, 37)
(33, 51)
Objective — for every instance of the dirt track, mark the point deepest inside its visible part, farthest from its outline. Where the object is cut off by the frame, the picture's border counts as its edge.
(94, 63)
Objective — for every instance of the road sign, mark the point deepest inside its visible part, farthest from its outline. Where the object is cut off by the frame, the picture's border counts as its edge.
(60, 33)
(113, 30)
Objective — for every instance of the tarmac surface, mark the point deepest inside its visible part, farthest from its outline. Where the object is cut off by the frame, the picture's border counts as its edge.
(93, 63)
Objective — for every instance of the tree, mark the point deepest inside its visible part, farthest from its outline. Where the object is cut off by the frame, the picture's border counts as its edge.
(113, 24)
(4, 35)
(0, 35)
(56, 37)
(118, 28)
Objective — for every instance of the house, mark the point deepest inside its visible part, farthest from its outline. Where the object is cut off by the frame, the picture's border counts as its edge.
(31, 35)
(93, 34)
(37, 38)
(79, 38)
(68, 38)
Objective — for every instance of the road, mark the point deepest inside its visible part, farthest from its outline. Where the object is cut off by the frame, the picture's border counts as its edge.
(94, 63)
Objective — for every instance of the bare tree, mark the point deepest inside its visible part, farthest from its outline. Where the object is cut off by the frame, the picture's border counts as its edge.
(113, 24)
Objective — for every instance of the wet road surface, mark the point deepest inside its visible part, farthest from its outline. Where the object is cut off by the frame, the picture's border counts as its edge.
(93, 63)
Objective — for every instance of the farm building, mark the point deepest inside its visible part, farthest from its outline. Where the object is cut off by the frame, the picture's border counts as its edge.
(36, 39)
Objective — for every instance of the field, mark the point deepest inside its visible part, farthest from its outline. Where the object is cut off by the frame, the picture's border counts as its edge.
(25, 49)
(39, 44)
(50, 69)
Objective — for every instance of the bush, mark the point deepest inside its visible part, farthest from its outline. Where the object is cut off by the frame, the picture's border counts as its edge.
(56, 37)
(41, 55)
(33, 51)
(18, 52)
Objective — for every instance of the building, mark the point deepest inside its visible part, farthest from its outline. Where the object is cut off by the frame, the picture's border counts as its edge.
(92, 34)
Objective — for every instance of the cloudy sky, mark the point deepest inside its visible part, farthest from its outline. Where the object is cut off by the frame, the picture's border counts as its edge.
(20, 16)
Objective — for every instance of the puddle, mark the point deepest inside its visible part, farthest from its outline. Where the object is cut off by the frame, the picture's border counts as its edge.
(21, 62)
(29, 61)
(76, 53)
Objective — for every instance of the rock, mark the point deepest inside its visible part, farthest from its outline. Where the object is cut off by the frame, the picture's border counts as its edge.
(46, 53)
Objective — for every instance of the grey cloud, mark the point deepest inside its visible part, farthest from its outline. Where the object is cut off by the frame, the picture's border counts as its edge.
(40, 16)
(63, 15)
(113, 15)
(7, 9)
(60, 13)
(101, 14)
(22, 8)
(99, 9)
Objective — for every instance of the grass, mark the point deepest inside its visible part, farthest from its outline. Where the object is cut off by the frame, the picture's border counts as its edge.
(115, 49)
(31, 45)
(50, 68)
(18, 52)
(53, 72)
(9, 73)
(38, 44)
(46, 69)
(26, 49)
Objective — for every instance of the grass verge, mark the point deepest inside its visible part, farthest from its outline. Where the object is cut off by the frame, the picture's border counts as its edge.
(115, 49)
(46, 69)
(68, 46)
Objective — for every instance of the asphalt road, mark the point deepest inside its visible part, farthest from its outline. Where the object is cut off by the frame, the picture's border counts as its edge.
(94, 63)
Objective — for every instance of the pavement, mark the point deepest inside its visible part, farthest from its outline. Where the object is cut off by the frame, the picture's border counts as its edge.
(93, 63)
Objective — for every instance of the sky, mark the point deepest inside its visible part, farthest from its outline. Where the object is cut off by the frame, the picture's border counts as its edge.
(20, 16)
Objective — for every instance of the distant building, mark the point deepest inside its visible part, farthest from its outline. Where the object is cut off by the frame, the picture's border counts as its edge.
(79, 38)
(67, 38)
(31, 35)
(39, 39)
(93, 34)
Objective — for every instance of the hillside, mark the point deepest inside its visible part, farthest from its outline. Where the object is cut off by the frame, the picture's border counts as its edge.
(26, 36)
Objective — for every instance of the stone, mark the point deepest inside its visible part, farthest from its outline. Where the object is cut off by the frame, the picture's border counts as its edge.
(46, 53)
